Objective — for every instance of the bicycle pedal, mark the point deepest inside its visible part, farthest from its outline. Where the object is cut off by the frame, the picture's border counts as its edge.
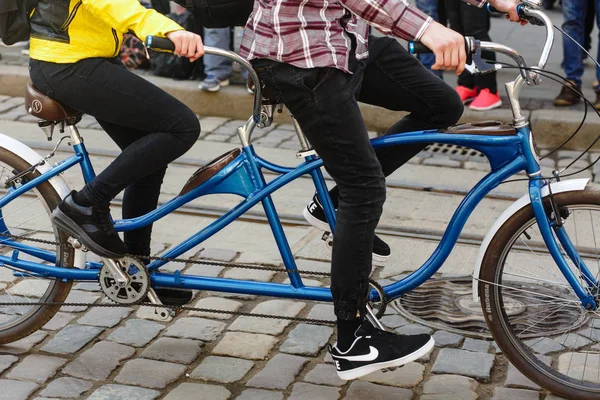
(327, 237)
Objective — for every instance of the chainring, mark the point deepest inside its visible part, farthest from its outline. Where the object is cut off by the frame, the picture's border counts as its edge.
(139, 281)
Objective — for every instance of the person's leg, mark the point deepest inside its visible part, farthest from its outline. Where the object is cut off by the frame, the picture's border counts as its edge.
(573, 25)
(393, 79)
(141, 197)
(104, 89)
(590, 17)
(574, 17)
(218, 69)
(466, 83)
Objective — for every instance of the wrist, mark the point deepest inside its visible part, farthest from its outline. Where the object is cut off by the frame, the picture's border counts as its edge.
(423, 29)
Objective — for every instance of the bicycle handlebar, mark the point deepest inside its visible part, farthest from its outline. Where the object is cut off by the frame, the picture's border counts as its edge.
(162, 44)
(474, 47)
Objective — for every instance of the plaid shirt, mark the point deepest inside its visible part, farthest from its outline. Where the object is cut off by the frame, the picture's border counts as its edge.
(313, 33)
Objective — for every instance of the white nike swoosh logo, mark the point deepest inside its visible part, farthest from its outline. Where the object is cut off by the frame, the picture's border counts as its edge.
(372, 355)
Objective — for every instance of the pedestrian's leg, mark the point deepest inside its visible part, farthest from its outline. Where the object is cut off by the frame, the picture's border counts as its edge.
(466, 83)
(217, 69)
(429, 7)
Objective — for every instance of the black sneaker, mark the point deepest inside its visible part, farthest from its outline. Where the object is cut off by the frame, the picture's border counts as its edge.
(90, 225)
(374, 349)
(315, 215)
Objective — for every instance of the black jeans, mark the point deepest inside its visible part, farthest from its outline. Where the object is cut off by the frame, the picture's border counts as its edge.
(472, 21)
(149, 125)
(325, 103)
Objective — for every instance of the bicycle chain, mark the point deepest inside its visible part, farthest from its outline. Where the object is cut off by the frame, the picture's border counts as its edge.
(187, 308)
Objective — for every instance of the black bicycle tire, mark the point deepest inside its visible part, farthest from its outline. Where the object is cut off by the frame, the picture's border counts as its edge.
(59, 290)
(496, 318)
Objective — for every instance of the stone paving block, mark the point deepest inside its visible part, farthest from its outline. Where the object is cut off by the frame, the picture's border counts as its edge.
(71, 338)
(136, 332)
(196, 328)
(79, 296)
(514, 378)
(442, 161)
(88, 286)
(359, 390)
(217, 303)
(37, 368)
(582, 365)
(394, 321)
(182, 351)
(447, 339)
(313, 265)
(23, 345)
(98, 362)
(225, 255)
(544, 345)
(303, 391)
(501, 393)
(59, 321)
(149, 373)
(198, 391)
(279, 373)
(204, 270)
(16, 390)
(209, 124)
(573, 341)
(249, 274)
(324, 374)
(554, 397)
(323, 312)
(123, 392)
(462, 362)
(235, 344)
(286, 308)
(11, 103)
(259, 394)
(306, 339)
(408, 375)
(451, 386)
(29, 288)
(590, 333)
(222, 369)
(414, 329)
(479, 346)
(104, 316)
(6, 362)
(66, 387)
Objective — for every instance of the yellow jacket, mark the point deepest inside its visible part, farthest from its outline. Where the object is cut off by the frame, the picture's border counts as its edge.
(66, 31)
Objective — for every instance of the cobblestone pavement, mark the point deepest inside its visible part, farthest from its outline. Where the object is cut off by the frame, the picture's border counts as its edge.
(125, 353)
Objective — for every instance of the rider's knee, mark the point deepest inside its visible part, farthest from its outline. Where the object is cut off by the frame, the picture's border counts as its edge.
(454, 108)
(190, 128)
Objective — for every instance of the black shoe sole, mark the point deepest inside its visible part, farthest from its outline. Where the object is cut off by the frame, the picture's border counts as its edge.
(62, 221)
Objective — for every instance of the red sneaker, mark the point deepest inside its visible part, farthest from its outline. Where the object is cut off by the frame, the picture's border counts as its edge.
(485, 100)
(466, 95)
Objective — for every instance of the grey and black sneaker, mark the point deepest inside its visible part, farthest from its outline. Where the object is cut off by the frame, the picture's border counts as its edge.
(374, 349)
(315, 215)
(90, 225)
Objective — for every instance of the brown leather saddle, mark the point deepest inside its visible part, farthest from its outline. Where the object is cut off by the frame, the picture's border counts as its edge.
(43, 107)
(488, 128)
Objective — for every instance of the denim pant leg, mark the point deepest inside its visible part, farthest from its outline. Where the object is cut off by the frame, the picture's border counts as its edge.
(574, 17)
(429, 7)
(597, 9)
(219, 67)
(323, 100)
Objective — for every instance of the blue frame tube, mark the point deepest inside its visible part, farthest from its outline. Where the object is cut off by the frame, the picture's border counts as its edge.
(65, 165)
(571, 251)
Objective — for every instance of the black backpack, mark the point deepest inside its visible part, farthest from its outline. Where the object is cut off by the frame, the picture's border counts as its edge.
(219, 13)
(14, 20)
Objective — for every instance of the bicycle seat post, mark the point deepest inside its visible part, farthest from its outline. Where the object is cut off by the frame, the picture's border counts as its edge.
(305, 148)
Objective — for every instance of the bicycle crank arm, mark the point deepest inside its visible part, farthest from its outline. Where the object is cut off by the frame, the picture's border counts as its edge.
(115, 269)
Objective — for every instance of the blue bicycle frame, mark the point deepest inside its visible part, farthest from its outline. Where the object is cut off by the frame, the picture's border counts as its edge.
(507, 156)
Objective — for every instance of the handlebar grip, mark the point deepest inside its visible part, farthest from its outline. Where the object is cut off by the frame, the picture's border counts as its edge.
(418, 48)
(520, 11)
(157, 43)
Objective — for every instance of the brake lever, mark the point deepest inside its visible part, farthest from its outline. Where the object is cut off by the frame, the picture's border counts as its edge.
(477, 64)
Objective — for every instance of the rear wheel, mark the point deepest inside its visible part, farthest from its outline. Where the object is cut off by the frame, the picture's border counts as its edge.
(534, 315)
(28, 216)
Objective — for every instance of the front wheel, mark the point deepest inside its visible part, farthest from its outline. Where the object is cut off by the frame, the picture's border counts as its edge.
(534, 315)
(28, 216)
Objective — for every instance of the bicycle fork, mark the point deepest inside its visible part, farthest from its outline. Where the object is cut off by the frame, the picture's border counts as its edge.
(554, 234)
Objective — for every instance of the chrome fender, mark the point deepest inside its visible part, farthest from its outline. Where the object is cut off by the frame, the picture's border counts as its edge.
(557, 187)
(32, 157)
